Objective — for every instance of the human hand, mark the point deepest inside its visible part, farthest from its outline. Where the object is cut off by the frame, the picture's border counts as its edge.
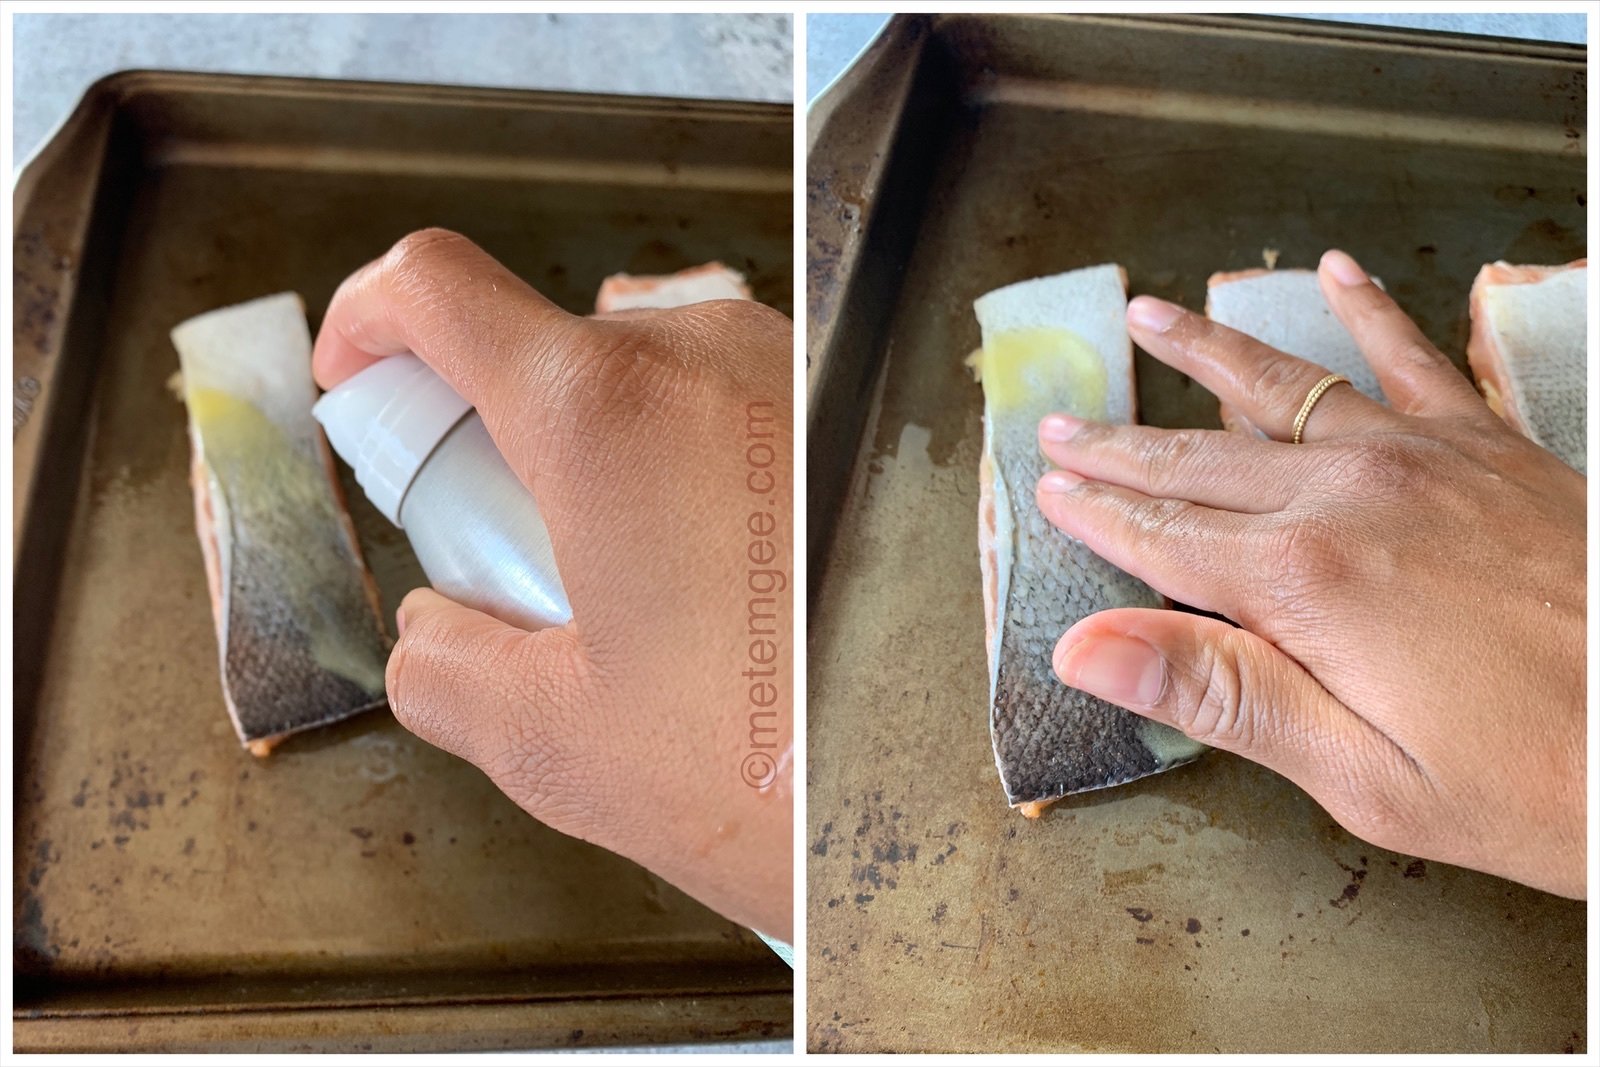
(1409, 586)
(658, 723)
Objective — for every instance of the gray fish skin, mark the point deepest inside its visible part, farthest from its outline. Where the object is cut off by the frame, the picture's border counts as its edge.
(1050, 740)
(301, 638)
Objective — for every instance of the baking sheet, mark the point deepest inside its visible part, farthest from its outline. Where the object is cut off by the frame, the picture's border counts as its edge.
(1214, 907)
(359, 889)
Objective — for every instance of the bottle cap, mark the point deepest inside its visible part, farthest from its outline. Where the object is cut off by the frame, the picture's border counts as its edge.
(386, 421)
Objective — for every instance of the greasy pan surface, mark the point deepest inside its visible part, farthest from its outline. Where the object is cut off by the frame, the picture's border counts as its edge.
(172, 891)
(1215, 906)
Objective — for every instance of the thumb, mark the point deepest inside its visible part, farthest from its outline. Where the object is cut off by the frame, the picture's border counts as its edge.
(502, 698)
(1225, 687)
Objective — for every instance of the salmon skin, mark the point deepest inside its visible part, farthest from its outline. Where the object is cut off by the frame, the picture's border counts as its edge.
(299, 631)
(1286, 310)
(1053, 344)
(709, 281)
(1528, 350)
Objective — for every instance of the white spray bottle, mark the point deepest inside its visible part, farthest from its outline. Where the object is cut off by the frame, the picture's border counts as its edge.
(426, 461)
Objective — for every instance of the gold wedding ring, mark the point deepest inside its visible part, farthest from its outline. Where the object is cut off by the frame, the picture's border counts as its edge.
(1311, 401)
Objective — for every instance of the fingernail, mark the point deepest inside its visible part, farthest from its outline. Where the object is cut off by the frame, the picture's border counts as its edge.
(1059, 427)
(1154, 315)
(1345, 270)
(1060, 482)
(400, 622)
(1123, 670)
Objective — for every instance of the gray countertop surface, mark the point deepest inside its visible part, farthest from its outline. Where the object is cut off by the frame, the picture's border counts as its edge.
(734, 57)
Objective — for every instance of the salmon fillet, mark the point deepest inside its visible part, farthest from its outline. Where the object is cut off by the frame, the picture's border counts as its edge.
(1286, 310)
(709, 281)
(1053, 344)
(1528, 351)
(299, 631)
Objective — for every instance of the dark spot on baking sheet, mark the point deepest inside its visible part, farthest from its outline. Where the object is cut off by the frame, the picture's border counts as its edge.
(1245, 932)
(863, 899)
(1416, 869)
(1144, 940)
(408, 838)
(1358, 875)
(939, 912)
(362, 832)
(1143, 915)
(1192, 926)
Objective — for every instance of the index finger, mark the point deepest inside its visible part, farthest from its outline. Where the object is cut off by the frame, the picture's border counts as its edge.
(440, 297)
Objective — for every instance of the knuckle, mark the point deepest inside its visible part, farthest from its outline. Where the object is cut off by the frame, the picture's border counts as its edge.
(421, 254)
(1163, 456)
(1409, 354)
(1306, 552)
(1279, 377)
(1387, 466)
(609, 378)
(1218, 713)
(1163, 517)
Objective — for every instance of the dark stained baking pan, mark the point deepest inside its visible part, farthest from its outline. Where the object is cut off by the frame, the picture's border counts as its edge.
(1216, 906)
(358, 889)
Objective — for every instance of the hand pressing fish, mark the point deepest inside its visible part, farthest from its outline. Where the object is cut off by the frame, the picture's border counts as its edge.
(299, 631)
(1053, 344)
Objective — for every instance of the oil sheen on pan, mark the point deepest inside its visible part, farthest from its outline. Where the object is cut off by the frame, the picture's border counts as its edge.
(1053, 344)
(300, 635)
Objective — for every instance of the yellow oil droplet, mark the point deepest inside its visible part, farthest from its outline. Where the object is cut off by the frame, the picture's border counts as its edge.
(1022, 368)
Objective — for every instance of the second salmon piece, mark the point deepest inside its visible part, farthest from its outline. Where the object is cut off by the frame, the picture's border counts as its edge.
(1286, 310)
(709, 281)
(1053, 344)
(1529, 352)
